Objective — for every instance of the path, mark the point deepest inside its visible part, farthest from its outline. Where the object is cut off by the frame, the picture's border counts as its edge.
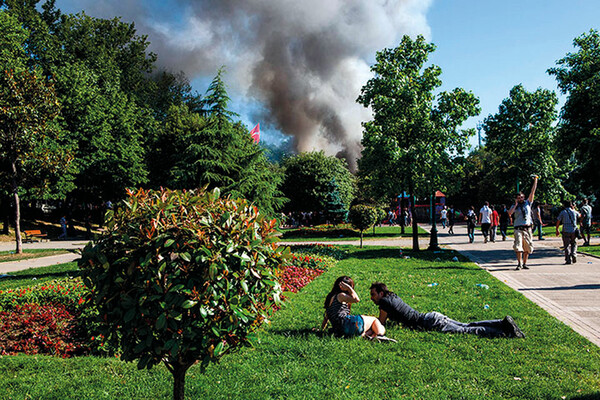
(12, 266)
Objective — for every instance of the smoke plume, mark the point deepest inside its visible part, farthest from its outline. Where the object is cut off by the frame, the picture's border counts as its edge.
(304, 61)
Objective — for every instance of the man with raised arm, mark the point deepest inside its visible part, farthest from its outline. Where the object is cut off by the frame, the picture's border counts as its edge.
(522, 221)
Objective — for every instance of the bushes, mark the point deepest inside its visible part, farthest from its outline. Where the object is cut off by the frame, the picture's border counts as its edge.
(71, 294)
(181, 276)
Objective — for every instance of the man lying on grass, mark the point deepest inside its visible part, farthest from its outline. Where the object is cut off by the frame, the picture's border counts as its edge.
(391, 306)
(337, 310)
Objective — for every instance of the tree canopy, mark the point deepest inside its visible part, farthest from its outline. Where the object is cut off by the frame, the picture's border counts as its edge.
(414, 134)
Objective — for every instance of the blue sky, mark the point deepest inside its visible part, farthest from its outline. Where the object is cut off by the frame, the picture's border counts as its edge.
(490, 46)
(483, 46)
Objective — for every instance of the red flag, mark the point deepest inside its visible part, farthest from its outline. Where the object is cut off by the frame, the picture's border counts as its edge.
(255, 133)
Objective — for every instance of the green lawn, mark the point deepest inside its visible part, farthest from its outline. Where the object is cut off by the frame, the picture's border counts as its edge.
(29, 253)
(345, 233)
(34, 276)
(594, 249)
(293, 362)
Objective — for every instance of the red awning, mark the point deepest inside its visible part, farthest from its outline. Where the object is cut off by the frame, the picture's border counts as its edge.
(439, 194)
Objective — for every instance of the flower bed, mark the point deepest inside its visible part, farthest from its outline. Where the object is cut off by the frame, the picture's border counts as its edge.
(41, 329)
(328, 250)
(319, 231)
(70, 293)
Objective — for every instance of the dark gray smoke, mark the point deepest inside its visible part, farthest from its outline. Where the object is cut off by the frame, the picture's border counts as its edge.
(303, 60)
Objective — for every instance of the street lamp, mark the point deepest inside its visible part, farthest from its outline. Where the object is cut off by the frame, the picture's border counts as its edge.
(433, 237)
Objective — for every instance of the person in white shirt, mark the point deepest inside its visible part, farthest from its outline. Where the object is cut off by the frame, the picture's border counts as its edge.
(485, 220)
(443, 217)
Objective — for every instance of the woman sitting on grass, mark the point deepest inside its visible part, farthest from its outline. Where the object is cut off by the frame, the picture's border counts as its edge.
(337, 310)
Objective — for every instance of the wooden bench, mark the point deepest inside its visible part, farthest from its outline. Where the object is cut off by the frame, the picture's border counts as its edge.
(33, 234)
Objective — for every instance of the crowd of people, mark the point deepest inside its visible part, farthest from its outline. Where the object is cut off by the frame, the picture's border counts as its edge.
(526, 216)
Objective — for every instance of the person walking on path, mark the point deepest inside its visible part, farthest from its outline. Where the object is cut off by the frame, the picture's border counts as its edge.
(505, 220)
(471, 223)
(451, 217)
(63, 227)
(521, 210)
(537, 220)
(485, 220)
(569, 217)
(443, 217)
(394, 308)
(494, 226)
(586, 222)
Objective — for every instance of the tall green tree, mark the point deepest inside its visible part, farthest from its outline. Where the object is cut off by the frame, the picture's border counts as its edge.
(30, 137)
(194, 150)
(578, 136)
(414, 135)
(307, 181)
(521, 137)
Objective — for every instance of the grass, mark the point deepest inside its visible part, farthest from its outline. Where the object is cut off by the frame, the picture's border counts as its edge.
(322, 235)
(291, 361)
(593, 249)
(29, 254)
(34, 276)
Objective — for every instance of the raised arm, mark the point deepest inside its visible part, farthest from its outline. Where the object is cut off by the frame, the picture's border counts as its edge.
(348, 295)
(532, 193)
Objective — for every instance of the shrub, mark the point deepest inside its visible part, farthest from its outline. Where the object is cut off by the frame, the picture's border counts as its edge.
(362, 218)
(70, 293)
(329, 250)
(182, 276)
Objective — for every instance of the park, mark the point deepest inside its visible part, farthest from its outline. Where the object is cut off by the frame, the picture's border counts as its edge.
(154, 246)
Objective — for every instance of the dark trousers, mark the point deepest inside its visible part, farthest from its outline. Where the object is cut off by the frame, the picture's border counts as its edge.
(439, 322)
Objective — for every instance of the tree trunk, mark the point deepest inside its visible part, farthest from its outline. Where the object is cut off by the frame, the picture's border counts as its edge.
(15, 188)
(415, 227)
(361, 236)
(401, 215)
(178, 372)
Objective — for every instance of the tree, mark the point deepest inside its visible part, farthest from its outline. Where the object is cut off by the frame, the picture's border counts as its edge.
(521, 138)
(196, 150)
(29, 135)
(335, 210)
(414, 135)
(578, 136)
(180, 277)
(308, 177)
(362, 217)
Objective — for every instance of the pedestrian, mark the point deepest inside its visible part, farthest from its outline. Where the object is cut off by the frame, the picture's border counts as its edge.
(63, 226)
(443, 217)
(494, 226)
(337, 310)
(471, 223)
(536, 214)
(586, 222)
(394, 308)
(569, 217)
(451, 217)
(521, 210)
(505, 220)
(485, 220)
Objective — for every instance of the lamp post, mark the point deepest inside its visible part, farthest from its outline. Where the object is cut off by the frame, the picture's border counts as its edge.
(433, 238)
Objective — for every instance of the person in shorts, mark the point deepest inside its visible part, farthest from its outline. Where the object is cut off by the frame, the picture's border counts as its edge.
(337, 311)
(522, 222)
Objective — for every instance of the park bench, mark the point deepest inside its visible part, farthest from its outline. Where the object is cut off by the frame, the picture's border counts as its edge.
(34, 234)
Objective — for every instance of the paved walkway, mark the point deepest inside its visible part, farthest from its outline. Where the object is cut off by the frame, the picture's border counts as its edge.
(570, 293)
(12, 266)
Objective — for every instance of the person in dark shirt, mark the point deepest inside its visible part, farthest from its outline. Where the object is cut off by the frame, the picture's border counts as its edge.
(394, 308)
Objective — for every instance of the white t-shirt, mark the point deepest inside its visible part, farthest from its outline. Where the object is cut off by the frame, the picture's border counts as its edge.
(486, 214)
(443, 214)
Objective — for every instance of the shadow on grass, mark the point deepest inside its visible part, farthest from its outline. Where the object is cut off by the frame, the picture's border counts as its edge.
(301, 333)
(463, 267)
(369, 254)
(593, 396)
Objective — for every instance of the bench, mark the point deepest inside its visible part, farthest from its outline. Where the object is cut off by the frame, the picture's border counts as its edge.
(33, 234)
